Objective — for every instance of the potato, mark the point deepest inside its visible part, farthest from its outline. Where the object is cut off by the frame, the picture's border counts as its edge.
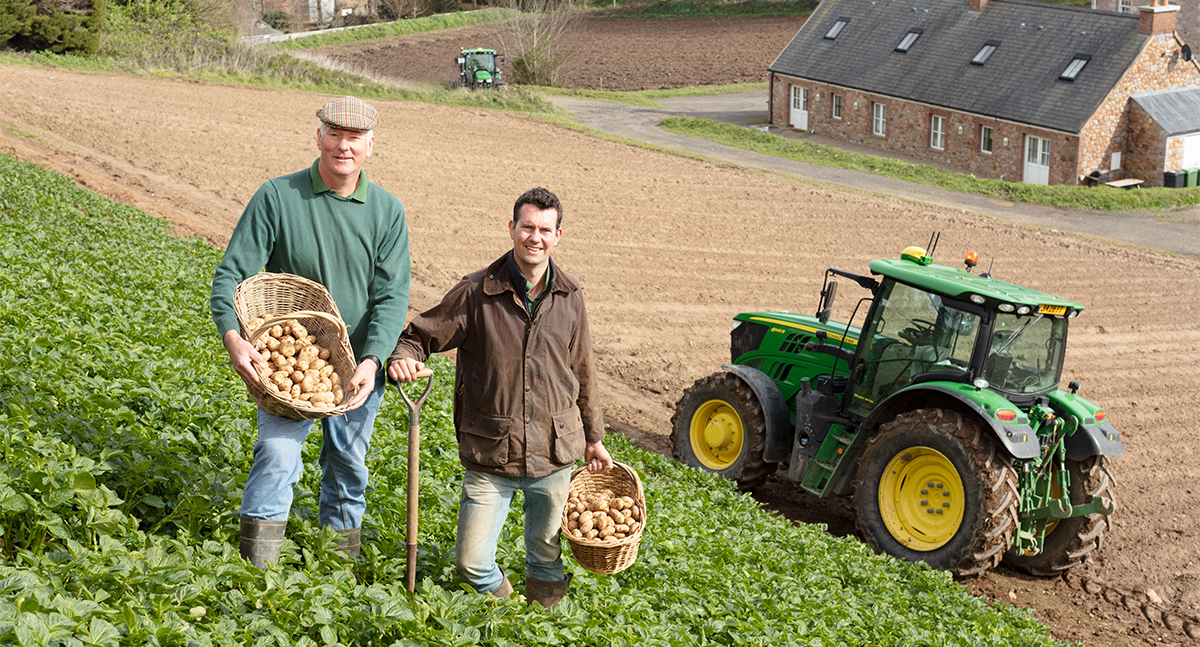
(308, 384)
(335, 379)
(635, 512)
(577, 533)
(255, 324)
(265, 354)
(591, 534)
(606, 532)
(572, 524)
(299, 331)
(324, 354)
(317, 363)
(585, 523)
(276, 331)
(599, 505)
(272, 344)
(326, 370)
(338, 395)
(621, 528)
(287, 347)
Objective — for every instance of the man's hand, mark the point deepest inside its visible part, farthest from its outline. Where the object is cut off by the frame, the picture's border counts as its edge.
(364, 380)
(596, 457)
(244, 357)
(405, 370)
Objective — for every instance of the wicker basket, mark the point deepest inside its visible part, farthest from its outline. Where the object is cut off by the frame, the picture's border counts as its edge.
(607, 556)
(277, 297)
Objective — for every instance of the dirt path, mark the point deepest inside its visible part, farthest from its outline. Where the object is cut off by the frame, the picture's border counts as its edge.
(669, 249)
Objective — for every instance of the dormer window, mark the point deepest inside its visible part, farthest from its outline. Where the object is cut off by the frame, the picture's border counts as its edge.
(836, 28)
(1075, 67)
(908, 40)
(985, 52)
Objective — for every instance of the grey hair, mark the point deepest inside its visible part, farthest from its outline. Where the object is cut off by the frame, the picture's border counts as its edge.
(324, 128)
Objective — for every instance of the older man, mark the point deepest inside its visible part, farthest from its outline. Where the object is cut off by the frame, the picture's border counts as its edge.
(330, 224)
(526, 405)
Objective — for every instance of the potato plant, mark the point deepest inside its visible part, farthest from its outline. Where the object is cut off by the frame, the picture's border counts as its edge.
(125, 439)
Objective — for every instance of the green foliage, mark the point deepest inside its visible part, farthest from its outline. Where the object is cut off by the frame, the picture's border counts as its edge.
(701, 9)
(277, 19)
(1069, 197)
(397, 28)
(125, 439)
(63, 27)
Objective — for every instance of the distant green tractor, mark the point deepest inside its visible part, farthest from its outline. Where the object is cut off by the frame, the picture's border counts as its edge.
(479, 69)
(943, 416)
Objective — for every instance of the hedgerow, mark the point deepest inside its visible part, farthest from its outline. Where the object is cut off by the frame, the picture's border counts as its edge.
(125, 439)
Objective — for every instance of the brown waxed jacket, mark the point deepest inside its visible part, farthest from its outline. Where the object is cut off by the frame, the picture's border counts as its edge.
(525, 394)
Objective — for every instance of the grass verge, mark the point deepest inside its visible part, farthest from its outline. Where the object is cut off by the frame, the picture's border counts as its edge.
(647, 98)
(125, 440)
(1066, 197)
(396, 28)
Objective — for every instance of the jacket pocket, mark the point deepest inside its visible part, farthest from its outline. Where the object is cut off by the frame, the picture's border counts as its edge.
(569, 441)
(484, 440)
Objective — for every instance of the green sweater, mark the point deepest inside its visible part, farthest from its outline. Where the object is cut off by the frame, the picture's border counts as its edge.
(356, 246)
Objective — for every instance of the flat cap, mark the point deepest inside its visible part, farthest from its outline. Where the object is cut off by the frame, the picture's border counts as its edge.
(349, 113)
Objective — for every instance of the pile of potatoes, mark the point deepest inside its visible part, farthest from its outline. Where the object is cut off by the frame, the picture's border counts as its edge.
(602, 516)
(297, 366)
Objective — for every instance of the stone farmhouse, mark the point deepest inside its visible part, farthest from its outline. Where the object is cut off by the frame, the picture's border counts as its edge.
(1003, 89)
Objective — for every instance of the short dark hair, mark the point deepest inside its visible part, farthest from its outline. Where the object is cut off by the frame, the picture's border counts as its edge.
(542, 199)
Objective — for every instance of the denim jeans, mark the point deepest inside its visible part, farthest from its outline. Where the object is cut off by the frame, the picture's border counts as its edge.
(486, 499)
(278, 465)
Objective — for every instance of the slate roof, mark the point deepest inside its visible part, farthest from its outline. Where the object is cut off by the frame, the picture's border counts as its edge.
(1019, 81)
(1177, 110)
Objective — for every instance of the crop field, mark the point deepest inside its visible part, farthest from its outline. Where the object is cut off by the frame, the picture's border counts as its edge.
(126, 440)
(127, 437)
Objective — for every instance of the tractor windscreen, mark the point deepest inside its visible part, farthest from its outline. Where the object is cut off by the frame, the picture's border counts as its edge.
(1026, 353)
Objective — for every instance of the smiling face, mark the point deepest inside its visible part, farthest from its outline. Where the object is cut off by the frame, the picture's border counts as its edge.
(534, 233)
(342, 154)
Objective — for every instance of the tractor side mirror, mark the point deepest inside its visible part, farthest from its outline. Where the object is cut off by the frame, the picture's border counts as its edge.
(827, 297)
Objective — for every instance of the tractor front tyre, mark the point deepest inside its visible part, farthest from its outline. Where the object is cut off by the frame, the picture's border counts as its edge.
(719, 426)
(1069, 541)
(933, 487)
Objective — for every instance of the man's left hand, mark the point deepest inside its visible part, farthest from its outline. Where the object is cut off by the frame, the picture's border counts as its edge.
(597, 459)
(364, 379)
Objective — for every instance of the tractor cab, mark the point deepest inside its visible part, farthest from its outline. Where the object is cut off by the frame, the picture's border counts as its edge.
(479, 68)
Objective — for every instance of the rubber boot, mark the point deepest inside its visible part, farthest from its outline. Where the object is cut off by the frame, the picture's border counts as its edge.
(504, 590)
(545, 593)
(352, 542)
(261, 540)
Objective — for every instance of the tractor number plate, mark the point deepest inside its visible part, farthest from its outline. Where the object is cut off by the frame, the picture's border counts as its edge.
(1052, 310)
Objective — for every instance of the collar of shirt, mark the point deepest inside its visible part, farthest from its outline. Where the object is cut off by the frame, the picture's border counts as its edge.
(319, 187)
(518, 279)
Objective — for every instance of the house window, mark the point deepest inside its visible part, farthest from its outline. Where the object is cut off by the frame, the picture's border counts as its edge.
(879, 123)
(937, 132)
(836, 28)
(908, 40)
(837, 106)
(985, 139)
(1125, 6)
(1074, 67)
(985, 52)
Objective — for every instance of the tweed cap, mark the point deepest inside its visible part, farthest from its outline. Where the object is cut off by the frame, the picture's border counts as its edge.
(349, 113)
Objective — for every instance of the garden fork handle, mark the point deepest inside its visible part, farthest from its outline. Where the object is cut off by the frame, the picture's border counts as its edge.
(414, 472)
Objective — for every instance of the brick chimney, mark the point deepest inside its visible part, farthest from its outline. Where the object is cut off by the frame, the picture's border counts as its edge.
(976, 5)
(1156, 19)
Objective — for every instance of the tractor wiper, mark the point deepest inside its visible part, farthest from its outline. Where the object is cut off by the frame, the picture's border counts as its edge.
(1022, 329)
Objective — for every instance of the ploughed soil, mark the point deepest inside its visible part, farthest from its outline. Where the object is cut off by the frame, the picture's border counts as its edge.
(670, 248)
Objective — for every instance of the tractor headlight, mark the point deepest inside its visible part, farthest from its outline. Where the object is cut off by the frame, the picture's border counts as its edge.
(1072, 313)
(1006, 307)
(1023, 310)
(975, 298)
(736, 323)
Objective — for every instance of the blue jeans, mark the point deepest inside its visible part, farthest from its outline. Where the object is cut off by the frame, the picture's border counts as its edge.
(278, 465)
(486, 499)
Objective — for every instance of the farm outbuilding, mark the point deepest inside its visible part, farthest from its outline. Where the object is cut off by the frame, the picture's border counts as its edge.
(1002, 89)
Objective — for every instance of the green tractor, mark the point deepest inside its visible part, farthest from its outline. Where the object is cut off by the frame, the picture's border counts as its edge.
(479, 69)
(943, 417)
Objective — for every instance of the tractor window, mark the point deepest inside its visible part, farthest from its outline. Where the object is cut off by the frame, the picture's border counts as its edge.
(1026, 353)
(910, 333)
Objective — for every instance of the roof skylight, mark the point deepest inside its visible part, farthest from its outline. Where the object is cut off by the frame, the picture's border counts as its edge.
(908, 40)
(985, 52)
(1074, 67)
(836, 28)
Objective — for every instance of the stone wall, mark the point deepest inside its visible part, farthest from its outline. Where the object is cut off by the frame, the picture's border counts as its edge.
(1145, 160)
(1157, 67)
(909, 129)
(1187, 21)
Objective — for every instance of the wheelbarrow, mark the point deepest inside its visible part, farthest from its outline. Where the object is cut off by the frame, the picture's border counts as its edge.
(414, 472)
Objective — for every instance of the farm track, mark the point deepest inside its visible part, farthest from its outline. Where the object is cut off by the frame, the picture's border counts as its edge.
(669, 249)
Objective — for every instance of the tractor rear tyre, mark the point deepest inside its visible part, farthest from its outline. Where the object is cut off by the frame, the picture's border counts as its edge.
(933, 487)
(1069, 541)
(719, 426)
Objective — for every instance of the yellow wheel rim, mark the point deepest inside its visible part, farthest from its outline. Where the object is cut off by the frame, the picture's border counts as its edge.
(921, 499)
(716, 434)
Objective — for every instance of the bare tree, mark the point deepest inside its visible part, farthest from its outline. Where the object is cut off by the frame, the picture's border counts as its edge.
(533, 39)
(406, 8)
